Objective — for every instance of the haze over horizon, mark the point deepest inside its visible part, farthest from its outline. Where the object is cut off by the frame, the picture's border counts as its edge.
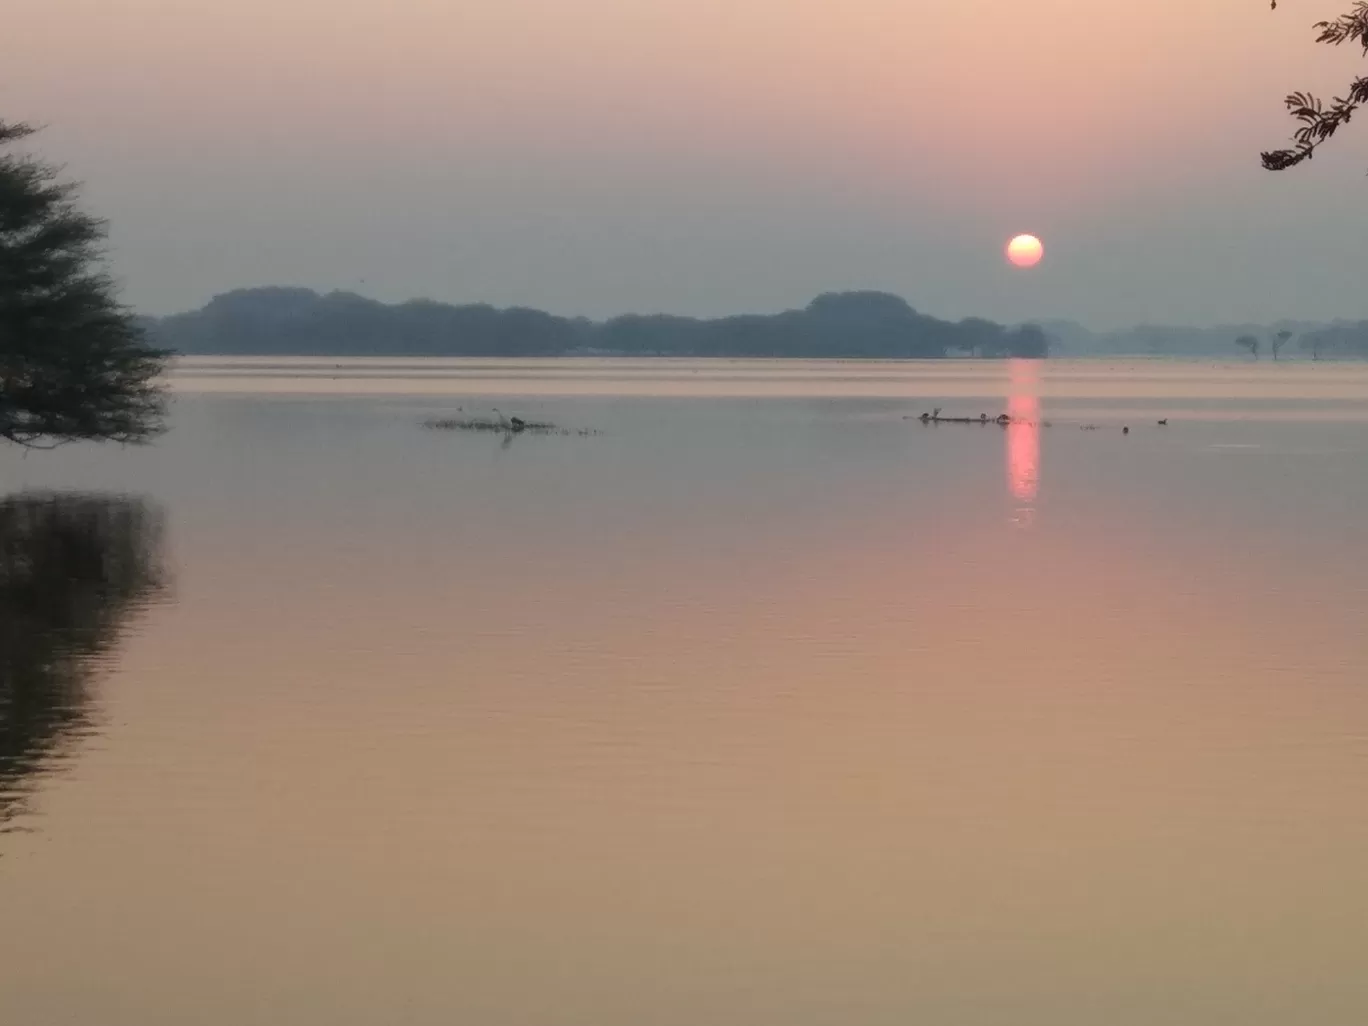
(706, 157)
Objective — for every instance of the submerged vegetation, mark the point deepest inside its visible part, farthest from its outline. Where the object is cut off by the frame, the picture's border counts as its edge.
(1001, 420)
(503, 425)
(1006, 420)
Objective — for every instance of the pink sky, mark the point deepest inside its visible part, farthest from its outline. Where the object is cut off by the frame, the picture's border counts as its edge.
(704, 155)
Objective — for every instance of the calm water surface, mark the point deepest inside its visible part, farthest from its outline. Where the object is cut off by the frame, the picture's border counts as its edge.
(762, 705)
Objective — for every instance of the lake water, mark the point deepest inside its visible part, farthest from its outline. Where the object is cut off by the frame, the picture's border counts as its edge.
(763, 704)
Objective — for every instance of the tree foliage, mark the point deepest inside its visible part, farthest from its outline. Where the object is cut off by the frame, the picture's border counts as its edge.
(73, 362)
(1319, 120)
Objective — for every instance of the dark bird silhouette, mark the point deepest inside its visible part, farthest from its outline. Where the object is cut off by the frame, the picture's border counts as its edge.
(1125, 430)
(1164, 422)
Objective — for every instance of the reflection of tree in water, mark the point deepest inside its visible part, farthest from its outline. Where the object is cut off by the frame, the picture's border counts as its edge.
(72, 568)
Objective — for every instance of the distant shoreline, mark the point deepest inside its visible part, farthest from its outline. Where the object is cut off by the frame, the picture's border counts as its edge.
(275, 321)
(846, 325)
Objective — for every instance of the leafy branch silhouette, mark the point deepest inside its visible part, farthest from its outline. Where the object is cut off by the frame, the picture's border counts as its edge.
(1319, 120)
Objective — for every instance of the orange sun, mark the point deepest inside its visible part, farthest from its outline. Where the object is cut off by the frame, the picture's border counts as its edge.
(1025, 251)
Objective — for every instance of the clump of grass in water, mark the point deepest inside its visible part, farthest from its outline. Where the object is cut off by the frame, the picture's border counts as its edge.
(488, 424)
(503, 426)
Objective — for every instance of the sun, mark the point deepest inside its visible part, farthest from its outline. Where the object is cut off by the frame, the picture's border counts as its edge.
(1025, 251)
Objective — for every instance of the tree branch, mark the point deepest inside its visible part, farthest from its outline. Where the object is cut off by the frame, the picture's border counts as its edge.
(1319, 122)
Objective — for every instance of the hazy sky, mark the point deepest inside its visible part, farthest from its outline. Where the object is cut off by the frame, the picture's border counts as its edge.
(706, 156)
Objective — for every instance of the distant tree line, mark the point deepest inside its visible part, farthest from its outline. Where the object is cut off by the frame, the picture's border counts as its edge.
(1334, 340)
(294, 321)
(1341, 341)
(1337, 342)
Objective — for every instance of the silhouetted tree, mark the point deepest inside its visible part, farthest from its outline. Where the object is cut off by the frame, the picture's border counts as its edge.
(73, 362)
(1249, 342)
(1279, 340)
(1320, 122)
(72, 567)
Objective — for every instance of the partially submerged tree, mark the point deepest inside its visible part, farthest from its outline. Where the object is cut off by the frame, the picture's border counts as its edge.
(1249, 342)
(73, 361)
(1319, 121)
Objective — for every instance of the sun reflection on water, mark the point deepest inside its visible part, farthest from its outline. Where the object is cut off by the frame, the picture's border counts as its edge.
(1023, 437)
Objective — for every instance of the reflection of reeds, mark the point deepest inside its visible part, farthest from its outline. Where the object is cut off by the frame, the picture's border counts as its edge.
(72, 567)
